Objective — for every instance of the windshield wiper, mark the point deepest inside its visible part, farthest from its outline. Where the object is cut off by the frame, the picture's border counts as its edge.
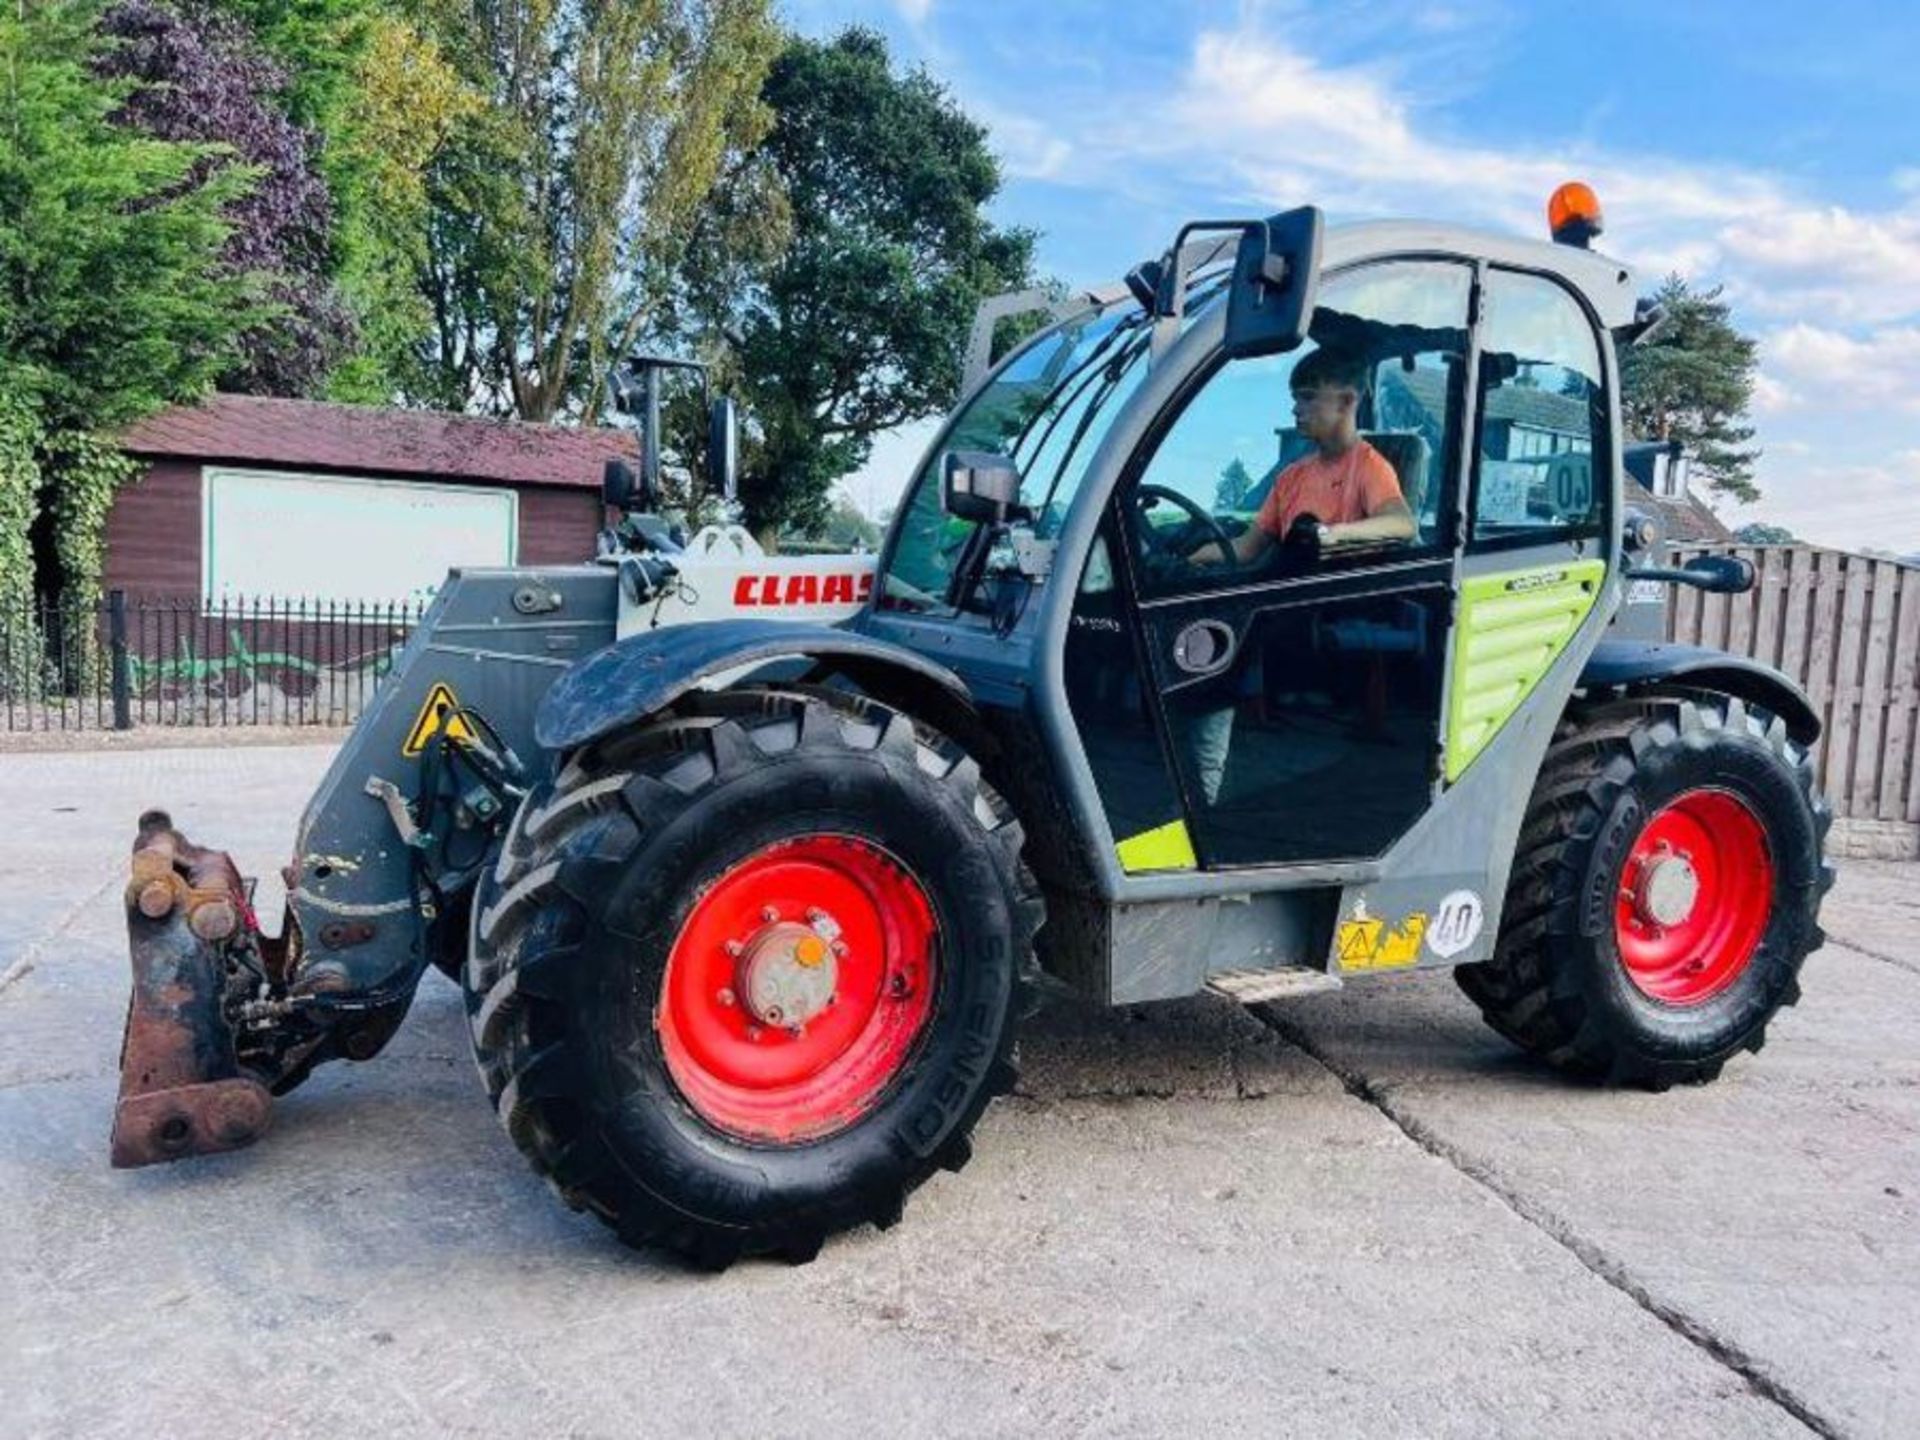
(1115, 372)
(1093, 358)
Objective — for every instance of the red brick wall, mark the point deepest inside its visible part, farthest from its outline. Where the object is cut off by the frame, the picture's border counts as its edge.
(153, 530)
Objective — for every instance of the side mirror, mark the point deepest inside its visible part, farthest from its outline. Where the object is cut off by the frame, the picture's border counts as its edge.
(628, 491)
(981, 486)
(1716, 574)
(1276, 274)
(723, 447)
(616, 485)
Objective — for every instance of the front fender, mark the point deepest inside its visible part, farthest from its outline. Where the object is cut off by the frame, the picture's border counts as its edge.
(1630, 664)
(642, 674)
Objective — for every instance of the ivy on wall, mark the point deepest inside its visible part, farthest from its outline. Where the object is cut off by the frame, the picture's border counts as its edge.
(19, 500)
(83, 469)
(72, 476)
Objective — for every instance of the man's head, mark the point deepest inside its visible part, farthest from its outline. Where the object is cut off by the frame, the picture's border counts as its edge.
(1327, 387)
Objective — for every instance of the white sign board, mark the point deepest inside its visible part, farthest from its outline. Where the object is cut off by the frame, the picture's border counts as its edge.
(336, 537)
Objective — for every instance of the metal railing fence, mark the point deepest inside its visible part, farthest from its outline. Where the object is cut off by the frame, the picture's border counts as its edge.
(123, 661)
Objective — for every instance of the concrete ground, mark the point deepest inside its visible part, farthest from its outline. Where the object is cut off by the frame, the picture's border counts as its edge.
(1360, 1214)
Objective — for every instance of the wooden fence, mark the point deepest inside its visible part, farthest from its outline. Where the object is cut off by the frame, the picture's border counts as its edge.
(1847, 628)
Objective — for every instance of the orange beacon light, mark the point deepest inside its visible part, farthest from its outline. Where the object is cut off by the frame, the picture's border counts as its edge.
(1573, 214)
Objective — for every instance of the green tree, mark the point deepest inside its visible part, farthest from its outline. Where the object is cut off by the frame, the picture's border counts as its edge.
(394, 122)
(111, 300)
(385, 99)
(1231, 489)
(604, 127)
(861, 323)
(1758, 534)
(848, 527)
(1693, 382)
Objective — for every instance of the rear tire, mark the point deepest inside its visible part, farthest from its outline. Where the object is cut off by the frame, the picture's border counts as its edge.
(1607, 970)
(579, 1003)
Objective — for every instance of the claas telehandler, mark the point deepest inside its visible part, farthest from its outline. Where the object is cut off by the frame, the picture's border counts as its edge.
(746, 911)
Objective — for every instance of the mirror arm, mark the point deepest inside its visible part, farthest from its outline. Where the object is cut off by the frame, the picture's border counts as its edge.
(1717, 581)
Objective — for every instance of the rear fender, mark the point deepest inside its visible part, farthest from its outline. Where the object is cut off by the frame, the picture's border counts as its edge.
(1640, 665)
(643, 674)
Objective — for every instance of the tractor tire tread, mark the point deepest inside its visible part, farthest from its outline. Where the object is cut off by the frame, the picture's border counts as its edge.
(586, 818)
(1530, 991)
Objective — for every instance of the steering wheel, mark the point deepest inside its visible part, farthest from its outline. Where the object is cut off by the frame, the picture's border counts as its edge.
(1146, 494)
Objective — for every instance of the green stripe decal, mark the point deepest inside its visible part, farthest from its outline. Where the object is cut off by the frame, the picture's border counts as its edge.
(1167, 847)
(1513, 627)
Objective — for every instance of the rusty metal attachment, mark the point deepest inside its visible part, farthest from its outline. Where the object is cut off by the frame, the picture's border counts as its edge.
(182, 1090)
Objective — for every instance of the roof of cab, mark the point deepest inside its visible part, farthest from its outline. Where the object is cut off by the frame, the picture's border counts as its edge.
(1606, 282)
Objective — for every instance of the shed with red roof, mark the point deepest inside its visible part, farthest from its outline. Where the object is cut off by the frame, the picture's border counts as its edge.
(245, 495)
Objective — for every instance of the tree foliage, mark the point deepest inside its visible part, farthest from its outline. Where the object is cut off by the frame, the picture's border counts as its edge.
(403, 108)
(1759, 534)
(1230, 490)
(202, 78)
(602, 130)
(1693, 382)
(848, 527)
(111, 300)
(860, 325)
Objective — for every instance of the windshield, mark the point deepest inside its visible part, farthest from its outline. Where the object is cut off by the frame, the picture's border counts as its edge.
(1046, 409)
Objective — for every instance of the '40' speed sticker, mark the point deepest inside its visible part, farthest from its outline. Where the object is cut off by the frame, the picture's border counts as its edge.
(1456, 923)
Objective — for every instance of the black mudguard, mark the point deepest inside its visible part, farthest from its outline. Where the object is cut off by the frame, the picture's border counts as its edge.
(644, 673)
(1636, 664)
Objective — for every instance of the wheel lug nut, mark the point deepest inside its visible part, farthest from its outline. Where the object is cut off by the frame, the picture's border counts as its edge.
(734, 947)
(753, 1032)
(774, 1013)
(725, 997)
(769, 914)
(899, 988)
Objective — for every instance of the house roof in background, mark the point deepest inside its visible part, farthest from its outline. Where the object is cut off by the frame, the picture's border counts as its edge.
(1684, 519)
(309, 434)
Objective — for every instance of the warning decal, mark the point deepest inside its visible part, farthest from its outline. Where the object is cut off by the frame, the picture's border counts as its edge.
(1364, 943)
(433, 716)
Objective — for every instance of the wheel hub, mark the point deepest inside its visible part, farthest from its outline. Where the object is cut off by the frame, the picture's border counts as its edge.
(800, 985)
(1696, 894)
(788, 973)
(1668, 888)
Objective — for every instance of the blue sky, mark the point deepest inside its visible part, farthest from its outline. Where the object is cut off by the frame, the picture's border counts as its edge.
(1772, 148)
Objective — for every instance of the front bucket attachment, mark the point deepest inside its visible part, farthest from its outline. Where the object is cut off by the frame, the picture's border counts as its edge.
(181, 1090)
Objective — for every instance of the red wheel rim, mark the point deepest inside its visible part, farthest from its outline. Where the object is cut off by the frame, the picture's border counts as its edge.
(798, 988)
(1694, 898)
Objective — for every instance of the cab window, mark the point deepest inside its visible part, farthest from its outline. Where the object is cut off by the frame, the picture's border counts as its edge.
(1047, 410)
(1542, 412)
(1354, 431)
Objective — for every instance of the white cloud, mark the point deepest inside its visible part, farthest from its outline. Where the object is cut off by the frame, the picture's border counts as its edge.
(1854, 506)
(1255, 120)
(1846, 267)
(1806, 364)
(914, 11)
(1286, 128)
(1028, 149)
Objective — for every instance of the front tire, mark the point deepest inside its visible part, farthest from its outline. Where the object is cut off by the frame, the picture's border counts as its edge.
(656, 907)
(1665, 892)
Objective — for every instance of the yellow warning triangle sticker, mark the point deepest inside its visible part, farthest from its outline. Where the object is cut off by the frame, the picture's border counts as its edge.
(438, 713)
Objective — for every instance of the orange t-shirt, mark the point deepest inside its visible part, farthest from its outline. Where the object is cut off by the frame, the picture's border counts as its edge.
(1350, 487)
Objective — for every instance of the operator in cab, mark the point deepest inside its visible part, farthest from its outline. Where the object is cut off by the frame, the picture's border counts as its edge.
(1345, 492)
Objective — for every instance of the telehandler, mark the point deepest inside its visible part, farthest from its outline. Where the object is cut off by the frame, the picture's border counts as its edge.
(746, 911)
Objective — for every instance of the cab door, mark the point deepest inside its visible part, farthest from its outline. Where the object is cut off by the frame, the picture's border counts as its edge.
(1540, 499)
(1293, 710)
